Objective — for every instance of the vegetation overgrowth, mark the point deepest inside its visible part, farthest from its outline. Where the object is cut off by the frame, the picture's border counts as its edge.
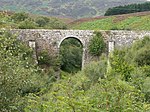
(121, 85)
(19, 76)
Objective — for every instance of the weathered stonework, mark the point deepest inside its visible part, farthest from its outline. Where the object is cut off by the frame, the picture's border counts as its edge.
(54, 38)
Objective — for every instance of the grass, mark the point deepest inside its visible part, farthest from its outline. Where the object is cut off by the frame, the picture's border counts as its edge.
(114, 23)
(136, 21)
(96, 25)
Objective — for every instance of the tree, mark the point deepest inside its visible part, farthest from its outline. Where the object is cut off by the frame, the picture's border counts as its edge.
(97, 44)
(18, 17)
(42, 21)
(18, 74)
(27, 24)
(132, 8)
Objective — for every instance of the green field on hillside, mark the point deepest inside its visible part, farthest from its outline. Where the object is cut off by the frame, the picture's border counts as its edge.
(28, 21)
(113, 23)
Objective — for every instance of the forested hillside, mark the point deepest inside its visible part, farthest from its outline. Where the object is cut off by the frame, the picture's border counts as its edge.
(128, 9)
(64, 8)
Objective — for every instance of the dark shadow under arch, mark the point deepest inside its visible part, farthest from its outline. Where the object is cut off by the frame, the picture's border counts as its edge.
(71, 54)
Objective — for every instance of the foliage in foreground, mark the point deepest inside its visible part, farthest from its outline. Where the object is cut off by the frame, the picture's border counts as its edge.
(121, 87)
(79, 93)
(18, 74)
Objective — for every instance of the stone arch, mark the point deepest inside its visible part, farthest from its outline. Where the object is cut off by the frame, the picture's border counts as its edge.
(71, 36)
(81, 42)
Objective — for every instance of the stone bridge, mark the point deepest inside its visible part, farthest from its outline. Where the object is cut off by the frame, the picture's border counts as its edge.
(41, 39)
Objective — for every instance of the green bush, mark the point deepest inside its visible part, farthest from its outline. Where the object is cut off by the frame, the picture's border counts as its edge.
(27, 24)
(74, 94)
(18, 74)
(143, 56)
(48, 59)
(96, 70)
(18, 17)
(120, 66)
(54, 23)
(42, 21)
(138, 54)
(146, 88)
(97, 45)
(146, 70)
(133, 64)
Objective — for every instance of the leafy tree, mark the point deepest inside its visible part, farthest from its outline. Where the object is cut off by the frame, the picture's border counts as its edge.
(143, 56)
(48, 60)
(121, 68)
(27, 24)
(97, 44)
(18, 17)
(18, 74)
(42, 21)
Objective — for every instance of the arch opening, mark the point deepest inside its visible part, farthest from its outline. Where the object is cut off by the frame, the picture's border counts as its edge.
(71, 54)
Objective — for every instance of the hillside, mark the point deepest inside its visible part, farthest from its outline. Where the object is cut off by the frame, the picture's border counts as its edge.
(134, 21)
(64, 8)
(11, 20)
(131, 8)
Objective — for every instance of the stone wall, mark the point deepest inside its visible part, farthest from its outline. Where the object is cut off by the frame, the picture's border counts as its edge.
(125, 38)
(52, 39)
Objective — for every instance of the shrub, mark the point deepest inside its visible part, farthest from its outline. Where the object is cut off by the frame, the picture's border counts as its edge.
(18, 17)
(42, 21)
(146, 89)
(47, 59)
(18, 74)
(143, 56)
(120, 66)
(54, 23)
(97, 45)
(95, 70)
(27, 24)
(74, 94)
